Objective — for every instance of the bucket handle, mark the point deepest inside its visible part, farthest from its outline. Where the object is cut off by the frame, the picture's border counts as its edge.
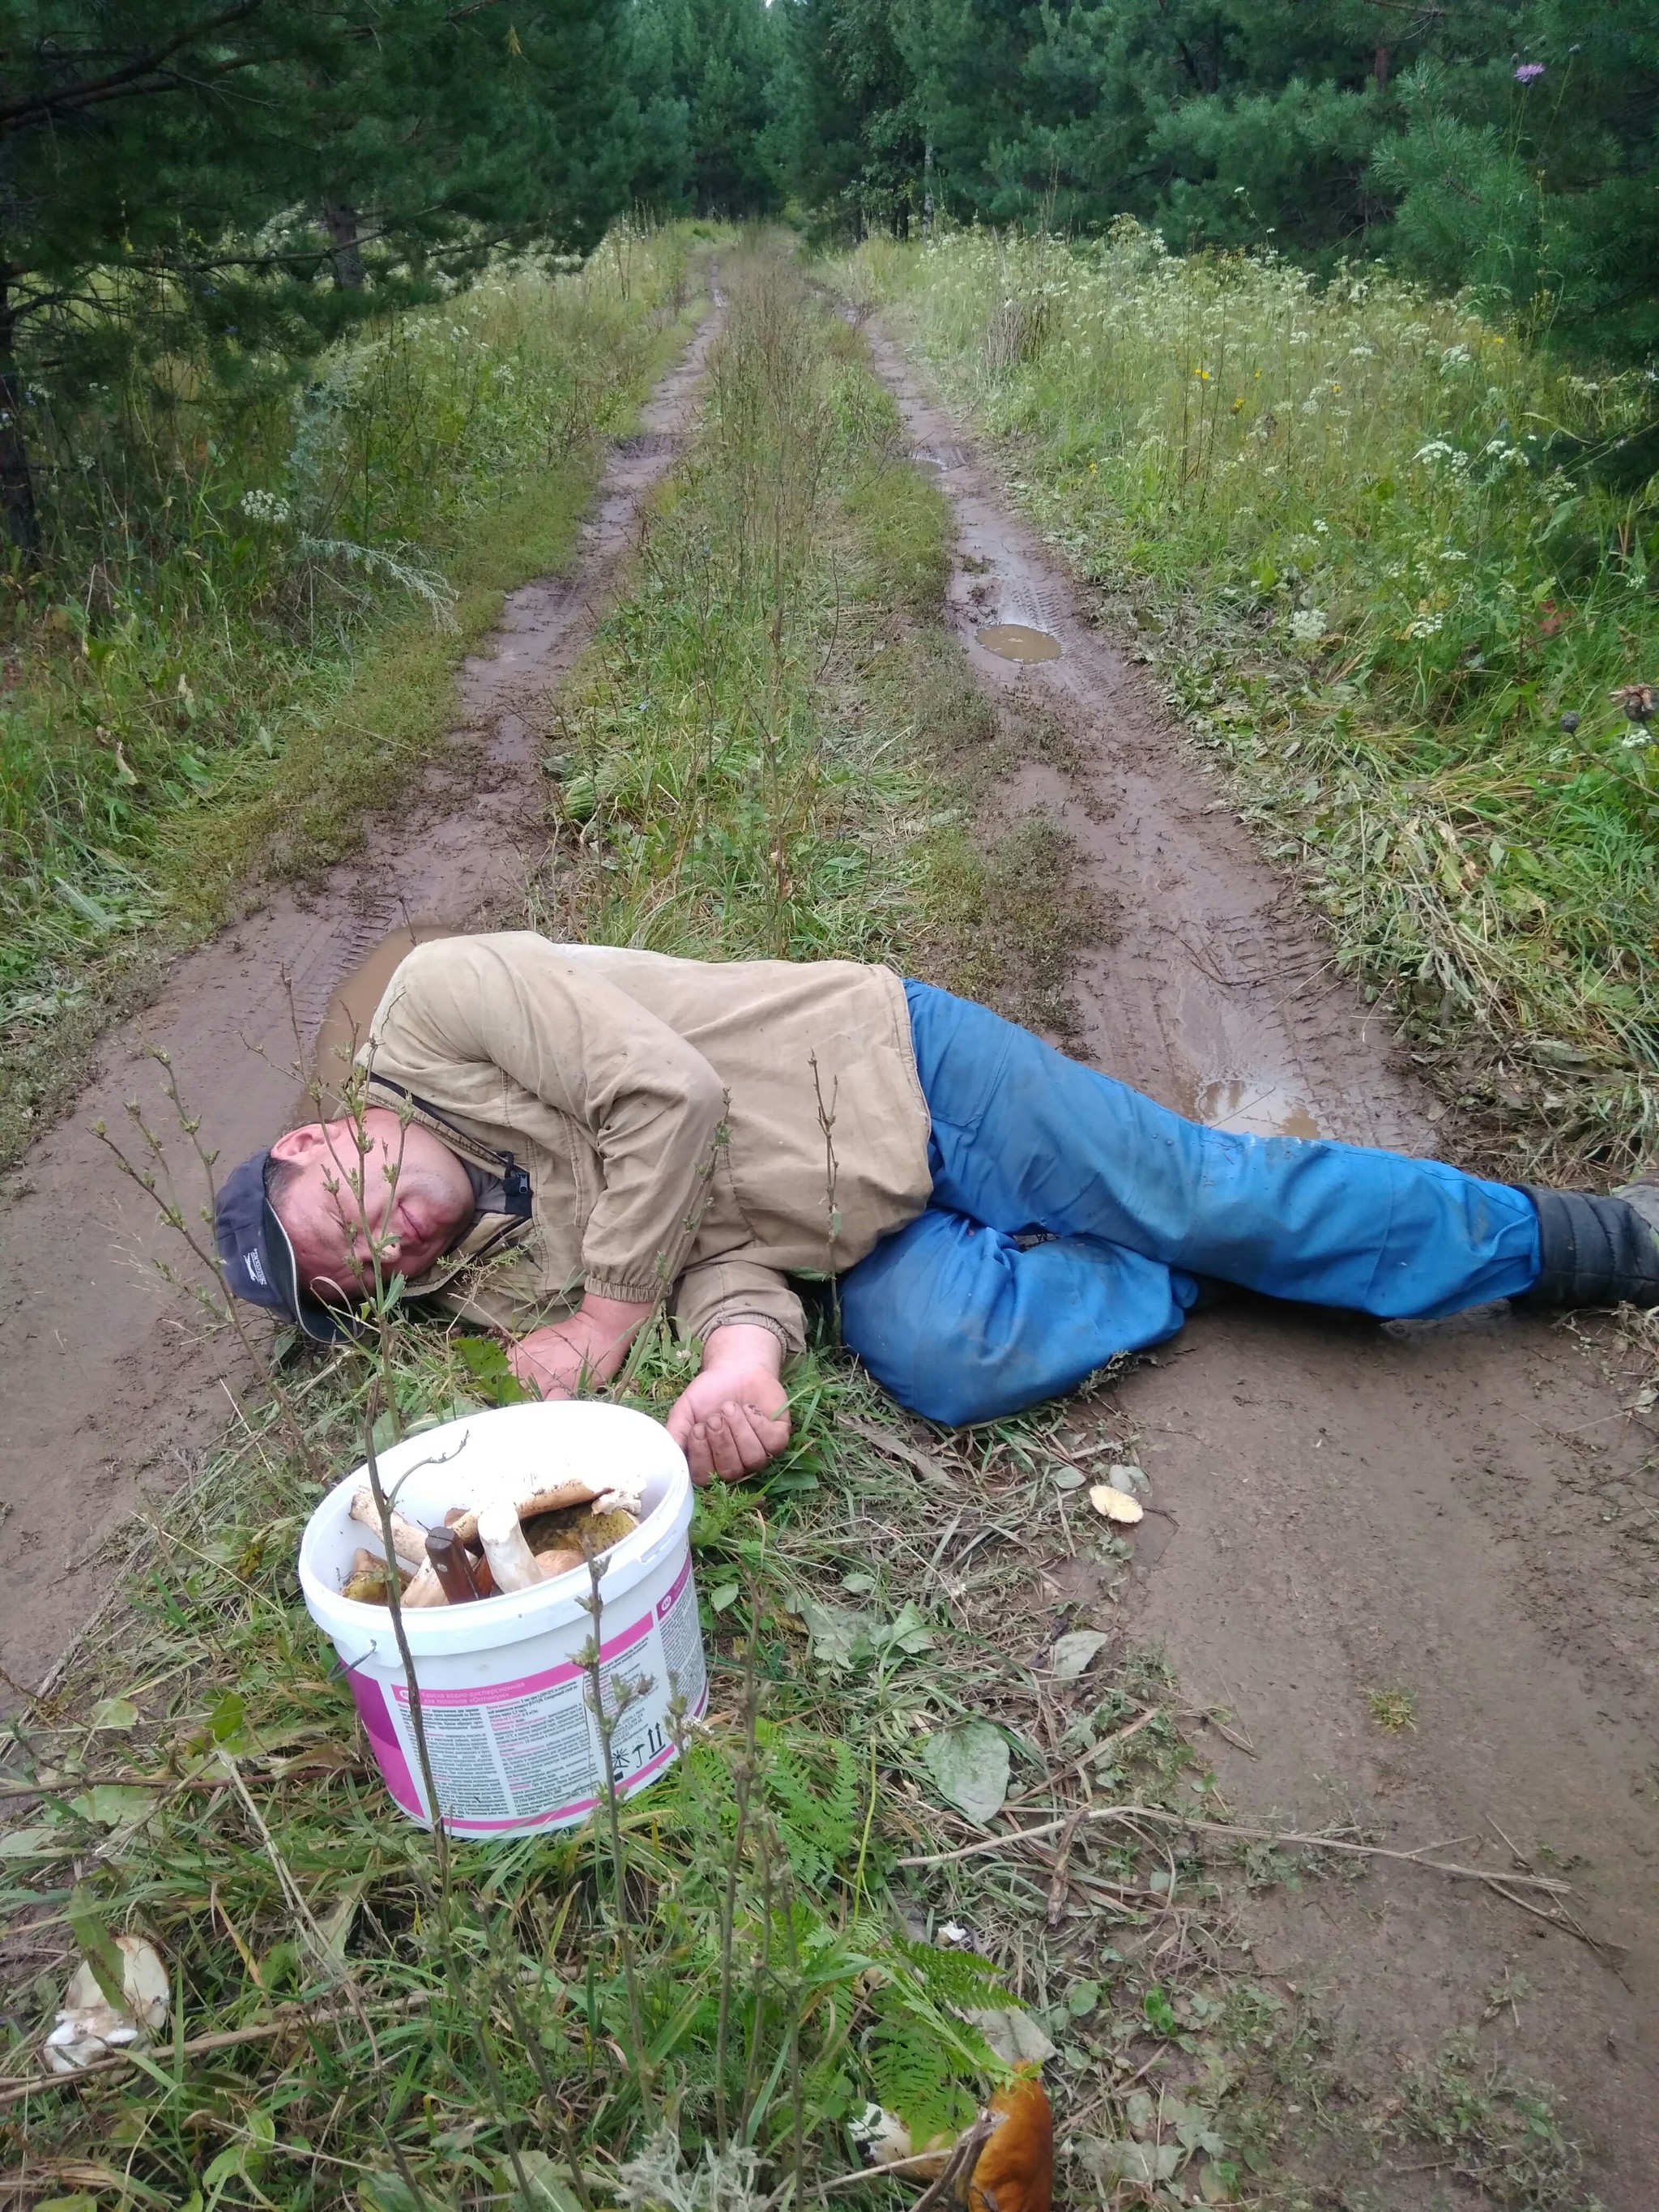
(344, 1665)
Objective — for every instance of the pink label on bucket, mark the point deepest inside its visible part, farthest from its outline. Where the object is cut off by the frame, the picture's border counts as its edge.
(376, 1717)
(524, 1754)
(665, 1604)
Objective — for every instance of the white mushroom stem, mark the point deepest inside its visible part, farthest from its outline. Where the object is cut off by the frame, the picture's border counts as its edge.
(407, 1541)
(511, 1560)
(426, 1589)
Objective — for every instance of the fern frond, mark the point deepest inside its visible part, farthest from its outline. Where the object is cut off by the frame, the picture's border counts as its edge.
(962, 1980)
(915, 2075)
(811, 1785)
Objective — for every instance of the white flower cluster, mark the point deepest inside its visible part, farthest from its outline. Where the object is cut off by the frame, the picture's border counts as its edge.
(263, 507)
(1438, 450)
(1307, 625)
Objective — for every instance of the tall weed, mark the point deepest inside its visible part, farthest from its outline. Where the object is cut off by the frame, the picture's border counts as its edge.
(1397, 570)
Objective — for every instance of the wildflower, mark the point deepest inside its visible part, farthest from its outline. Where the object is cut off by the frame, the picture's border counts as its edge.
(263, 507)
(1238, 405)
(1637, 700)
(1307, 625)
(1529, 72)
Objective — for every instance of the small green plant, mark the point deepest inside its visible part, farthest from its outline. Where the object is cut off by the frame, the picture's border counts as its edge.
(1393, 1711)
(1500, 2135)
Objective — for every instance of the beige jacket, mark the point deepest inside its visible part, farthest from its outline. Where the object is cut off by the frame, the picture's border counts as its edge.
(668, 1116)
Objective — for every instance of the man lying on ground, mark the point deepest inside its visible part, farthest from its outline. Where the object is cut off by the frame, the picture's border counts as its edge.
(564, 1137)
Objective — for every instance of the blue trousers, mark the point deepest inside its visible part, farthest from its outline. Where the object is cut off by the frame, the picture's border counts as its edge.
(962, 1322)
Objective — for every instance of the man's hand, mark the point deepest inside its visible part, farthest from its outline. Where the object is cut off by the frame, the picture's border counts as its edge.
(735, 1417)
(587, 1348)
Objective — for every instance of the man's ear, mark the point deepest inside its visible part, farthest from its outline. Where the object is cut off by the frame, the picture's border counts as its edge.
(301, 1144)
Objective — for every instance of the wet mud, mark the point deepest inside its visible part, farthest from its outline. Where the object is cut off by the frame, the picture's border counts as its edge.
(107, 1385)
(1018, 640)
(1453, 1509)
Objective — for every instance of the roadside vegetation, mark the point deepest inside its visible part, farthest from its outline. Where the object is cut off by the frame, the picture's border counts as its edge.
(252, 603)
(1393, 568)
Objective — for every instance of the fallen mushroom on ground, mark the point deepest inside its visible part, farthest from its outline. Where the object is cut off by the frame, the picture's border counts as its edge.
(89, 2027)
(1014, 2171)
(476, 1551)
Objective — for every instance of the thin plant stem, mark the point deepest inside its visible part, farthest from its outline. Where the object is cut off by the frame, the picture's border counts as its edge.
(589, 1659)
(743, 1783)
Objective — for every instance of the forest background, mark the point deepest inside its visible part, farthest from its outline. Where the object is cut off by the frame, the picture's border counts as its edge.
(243, 182)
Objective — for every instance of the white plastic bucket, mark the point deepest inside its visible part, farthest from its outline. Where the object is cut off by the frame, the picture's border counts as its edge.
(504, 1698)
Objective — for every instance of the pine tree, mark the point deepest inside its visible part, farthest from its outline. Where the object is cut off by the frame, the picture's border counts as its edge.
(710, 64)
(255, 174)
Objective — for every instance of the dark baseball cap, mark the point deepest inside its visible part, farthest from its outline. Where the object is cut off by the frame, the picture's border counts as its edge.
(258, 1260)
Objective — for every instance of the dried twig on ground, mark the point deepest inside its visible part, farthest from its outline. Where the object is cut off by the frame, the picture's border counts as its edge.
(932, 1471)
(1491, 1876)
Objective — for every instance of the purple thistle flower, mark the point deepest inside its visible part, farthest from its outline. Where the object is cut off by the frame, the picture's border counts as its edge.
(1529, 71)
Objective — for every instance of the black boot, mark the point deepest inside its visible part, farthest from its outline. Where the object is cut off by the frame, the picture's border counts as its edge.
(1596, 1251)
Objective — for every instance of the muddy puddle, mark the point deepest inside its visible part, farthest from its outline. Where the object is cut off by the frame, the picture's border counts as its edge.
(1019, 642)
(1252, 1110)
(350, 1012)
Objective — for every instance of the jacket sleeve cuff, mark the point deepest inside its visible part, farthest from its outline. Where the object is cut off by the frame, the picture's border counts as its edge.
(627, 1290)
(722, 1293)
(750, 1317)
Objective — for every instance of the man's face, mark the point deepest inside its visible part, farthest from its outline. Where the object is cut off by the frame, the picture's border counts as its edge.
(403, 1201)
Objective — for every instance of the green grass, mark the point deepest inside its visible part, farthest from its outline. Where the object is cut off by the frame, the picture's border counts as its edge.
(202, 699)
(750, 759)
(1392, 569)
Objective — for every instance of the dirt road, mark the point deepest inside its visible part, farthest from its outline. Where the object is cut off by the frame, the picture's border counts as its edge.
(1339, 1508)
(107, 1384)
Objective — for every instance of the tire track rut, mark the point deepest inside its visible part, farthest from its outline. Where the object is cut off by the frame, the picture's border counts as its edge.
(1340, 1506)
(107, 1385)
